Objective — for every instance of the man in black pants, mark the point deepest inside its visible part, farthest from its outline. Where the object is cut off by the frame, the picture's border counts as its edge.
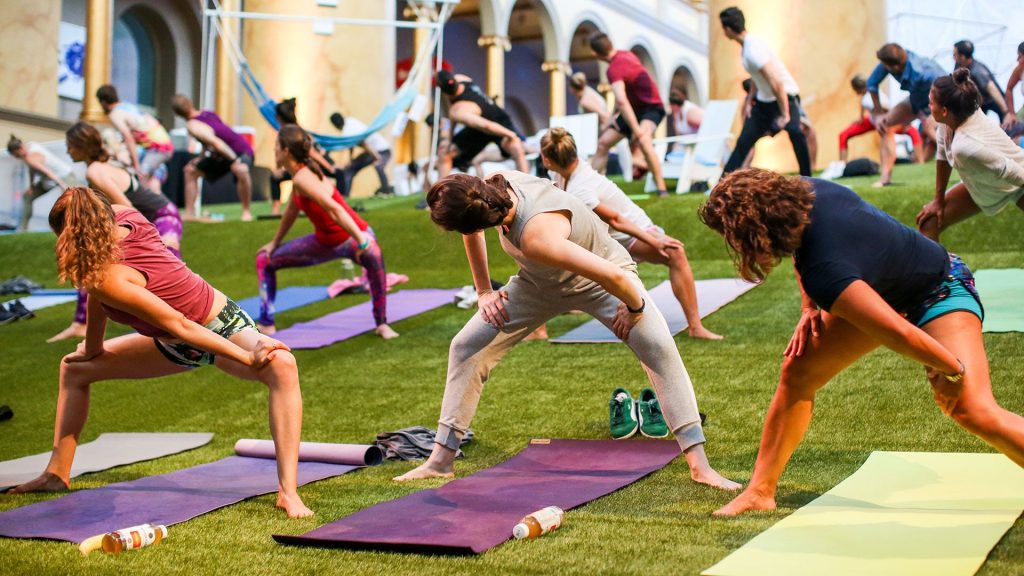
(774, 103)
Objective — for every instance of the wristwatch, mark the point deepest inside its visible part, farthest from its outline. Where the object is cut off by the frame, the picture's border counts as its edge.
(643, 304)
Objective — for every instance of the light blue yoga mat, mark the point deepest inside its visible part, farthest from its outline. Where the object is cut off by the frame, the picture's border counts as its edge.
(711, 295)
(1000, 292)
(288, 298)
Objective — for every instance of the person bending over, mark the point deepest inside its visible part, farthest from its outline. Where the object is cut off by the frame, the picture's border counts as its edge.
(867, 118)
(992, 97)
(338, 232)
(45, 172)
(180, 323)
(567, 261)
(990, 165)
(376, 152)
(139, 130)
(865, 281)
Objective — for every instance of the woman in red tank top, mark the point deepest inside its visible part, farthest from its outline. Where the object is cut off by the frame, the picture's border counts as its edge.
(338, 232)
(182, 322)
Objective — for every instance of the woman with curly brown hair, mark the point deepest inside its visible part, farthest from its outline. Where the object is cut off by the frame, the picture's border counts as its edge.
(865, 281)
(181, 322)
(567, 261)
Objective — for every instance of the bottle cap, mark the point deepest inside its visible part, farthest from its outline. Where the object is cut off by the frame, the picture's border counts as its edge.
(520, 531)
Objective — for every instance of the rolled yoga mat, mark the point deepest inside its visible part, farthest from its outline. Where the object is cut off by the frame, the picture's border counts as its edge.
(362, 454)
(1000, 292)
(901, 513)
(168, 498)
(106, 451)
(473, 514)
(344, 324)
(287, 299)
(711, 295)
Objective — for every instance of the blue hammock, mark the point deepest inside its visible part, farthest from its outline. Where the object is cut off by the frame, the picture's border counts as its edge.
(402, 100)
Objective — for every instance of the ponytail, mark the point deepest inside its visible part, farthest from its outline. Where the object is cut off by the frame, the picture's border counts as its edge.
(467, 204)
(298, 143)
(958, 93)
(86, 236)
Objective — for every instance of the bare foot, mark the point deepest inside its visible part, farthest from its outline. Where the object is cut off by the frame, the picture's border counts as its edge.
(76, 330)
(538, 334)
(246, 216)
(293, 505)
(746, 502)
(45, 482)
(704, 334)
(426, 470)
(881, 184)
(714, 479)
(267, 329)
(385, 332)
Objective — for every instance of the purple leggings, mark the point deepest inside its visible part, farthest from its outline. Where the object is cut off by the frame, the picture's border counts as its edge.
(168, 224)
(307, 251)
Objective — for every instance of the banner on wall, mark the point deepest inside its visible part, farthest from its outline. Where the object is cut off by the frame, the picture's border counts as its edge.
(71, 61)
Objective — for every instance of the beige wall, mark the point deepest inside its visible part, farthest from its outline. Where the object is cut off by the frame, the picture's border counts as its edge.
(823, 44)
(28, 55)
(352, 71)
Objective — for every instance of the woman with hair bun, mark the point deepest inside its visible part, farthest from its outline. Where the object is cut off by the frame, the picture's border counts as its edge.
(567, 261)
(990, 165)
(338, 232)
(181, 323)
(865, 281)
(630, 225)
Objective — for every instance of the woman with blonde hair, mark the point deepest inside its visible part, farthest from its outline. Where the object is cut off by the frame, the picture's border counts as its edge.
(630, 225)
(181, 323)
(865, 281)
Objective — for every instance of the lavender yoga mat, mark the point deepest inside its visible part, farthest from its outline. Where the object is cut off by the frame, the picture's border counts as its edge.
(358, 319)
(473, 514)
(165, 499)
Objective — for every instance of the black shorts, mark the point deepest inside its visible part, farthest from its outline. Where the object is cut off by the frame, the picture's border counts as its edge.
(471, 142)
(214, 167)
(653, 113)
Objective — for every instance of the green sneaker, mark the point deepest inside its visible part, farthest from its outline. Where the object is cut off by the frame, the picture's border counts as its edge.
(652, 423)
(622, 414)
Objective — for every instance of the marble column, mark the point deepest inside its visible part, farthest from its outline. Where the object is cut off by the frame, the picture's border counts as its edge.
(99, 35)
(556, 99)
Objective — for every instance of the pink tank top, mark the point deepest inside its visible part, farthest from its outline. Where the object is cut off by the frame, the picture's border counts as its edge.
(166, 276)
(328, 232)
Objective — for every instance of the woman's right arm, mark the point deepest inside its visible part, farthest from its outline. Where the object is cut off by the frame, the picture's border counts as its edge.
(619, 222)
(291, 212)
(490, 303)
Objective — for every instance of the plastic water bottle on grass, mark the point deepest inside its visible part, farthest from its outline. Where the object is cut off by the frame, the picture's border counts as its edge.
(539, 523)
(131, 538)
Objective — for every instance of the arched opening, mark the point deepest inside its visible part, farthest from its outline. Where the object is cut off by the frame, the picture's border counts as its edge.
(531, 34)
(582, 59)
(683, 79)
(647, 60)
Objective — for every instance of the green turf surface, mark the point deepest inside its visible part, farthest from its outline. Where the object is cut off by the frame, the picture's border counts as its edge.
(661, 525)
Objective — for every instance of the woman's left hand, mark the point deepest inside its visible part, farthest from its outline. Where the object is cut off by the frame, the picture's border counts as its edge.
(947, 394)
(82, 355)
(265, 351)
(668, 244)
(624, 320)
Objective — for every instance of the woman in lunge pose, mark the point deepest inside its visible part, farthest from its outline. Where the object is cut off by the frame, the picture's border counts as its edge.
(181, 322)
(338, 232)
(567, 261)
(865, 281)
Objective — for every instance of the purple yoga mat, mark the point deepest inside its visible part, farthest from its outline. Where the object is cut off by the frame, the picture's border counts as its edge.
(476, 513)
(165, 499)
(349, 454)
(358, 319)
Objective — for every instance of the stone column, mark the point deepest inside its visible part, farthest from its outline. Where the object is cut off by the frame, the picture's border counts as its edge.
(496, 47)
(99, 34)
(556, 99)
(225, 95)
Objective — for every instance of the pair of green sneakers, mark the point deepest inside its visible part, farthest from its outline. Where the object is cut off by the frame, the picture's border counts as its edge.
(627, 416)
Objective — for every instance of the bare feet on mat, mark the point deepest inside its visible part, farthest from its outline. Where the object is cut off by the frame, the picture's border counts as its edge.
(704, 334)
(246, 216)
(76, 330)
(426, 470)
(267, 330)
(714, 479)
(293, 505)
(538, 334)
(746, 502)
(45, 482)
(385, 332)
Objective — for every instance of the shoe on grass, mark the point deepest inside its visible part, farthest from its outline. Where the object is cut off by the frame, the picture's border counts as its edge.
(6, 317)
(622, 414)
(20, 311)
(652, 422)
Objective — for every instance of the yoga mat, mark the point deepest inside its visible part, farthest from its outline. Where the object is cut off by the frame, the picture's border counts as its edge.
(35, 302)
(287, 299)
(1000, 292)
(106, 451)
(165, 499)
(358, 319)
(901, 513)
(55, 292)
(368, 455)
(473, 514)
(711, 295)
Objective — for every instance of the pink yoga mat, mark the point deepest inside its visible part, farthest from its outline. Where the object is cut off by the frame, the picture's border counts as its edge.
(349, 454)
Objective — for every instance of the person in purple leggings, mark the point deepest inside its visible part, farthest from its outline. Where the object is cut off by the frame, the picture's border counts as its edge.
(120, 187)
(338, 232)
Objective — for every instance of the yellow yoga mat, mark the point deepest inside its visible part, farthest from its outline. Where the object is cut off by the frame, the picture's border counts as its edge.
(901, 513)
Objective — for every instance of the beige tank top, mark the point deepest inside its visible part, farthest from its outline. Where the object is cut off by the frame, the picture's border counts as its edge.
(538, 196)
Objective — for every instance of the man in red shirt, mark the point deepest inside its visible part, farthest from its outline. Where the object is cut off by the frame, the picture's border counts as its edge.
(639, 106)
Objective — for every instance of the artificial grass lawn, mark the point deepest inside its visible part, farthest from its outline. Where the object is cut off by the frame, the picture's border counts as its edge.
(353, 390)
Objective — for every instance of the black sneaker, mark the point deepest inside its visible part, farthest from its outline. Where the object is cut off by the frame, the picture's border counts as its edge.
(20, 311)
(5, 316)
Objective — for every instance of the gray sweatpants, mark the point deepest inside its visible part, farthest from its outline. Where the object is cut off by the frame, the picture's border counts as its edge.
(478, 347)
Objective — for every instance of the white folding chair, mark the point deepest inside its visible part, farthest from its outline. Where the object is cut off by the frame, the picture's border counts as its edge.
(703, 152)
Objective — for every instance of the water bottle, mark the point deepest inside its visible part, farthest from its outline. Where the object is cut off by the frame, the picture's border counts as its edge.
(540, 522)
(348, 269)
(131, 538)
